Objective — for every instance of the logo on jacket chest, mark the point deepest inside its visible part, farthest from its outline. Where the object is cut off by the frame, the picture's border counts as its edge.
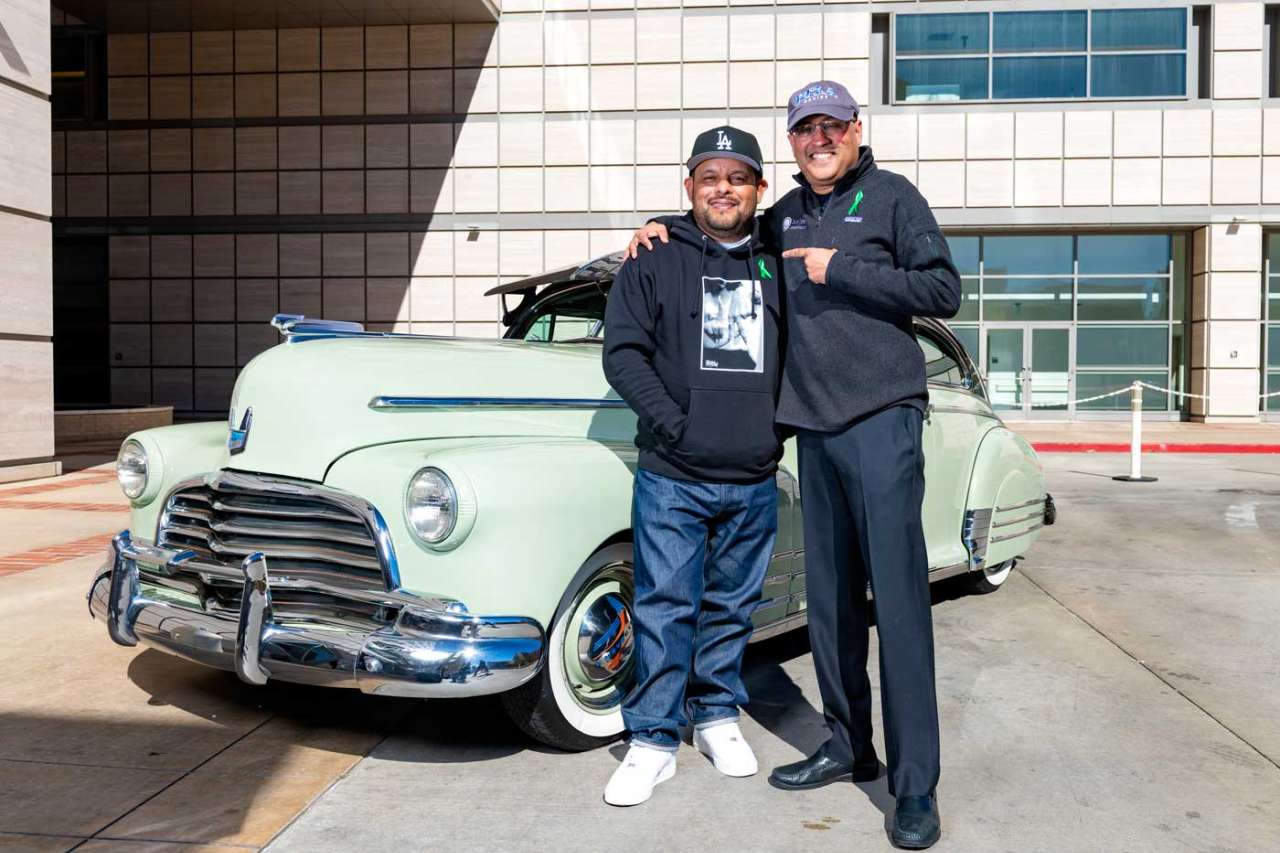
(852, 214)
(789, 224)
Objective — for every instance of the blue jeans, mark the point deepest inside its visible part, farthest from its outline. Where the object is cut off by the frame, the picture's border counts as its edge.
(702, 550)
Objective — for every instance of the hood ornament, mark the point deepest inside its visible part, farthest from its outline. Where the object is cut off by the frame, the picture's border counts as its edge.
(239, 437)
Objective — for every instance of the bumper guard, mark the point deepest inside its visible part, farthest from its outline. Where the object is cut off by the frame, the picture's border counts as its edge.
(434, 648)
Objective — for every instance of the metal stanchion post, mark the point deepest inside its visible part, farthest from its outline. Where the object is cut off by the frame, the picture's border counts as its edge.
(1135, 439)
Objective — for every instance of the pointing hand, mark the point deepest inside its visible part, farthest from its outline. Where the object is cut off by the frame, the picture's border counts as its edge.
(816, 262)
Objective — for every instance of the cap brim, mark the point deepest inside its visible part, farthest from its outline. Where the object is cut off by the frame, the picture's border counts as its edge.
(821, 110)
(718, 155)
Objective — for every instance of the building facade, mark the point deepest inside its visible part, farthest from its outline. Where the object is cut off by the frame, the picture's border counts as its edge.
(1107, 172)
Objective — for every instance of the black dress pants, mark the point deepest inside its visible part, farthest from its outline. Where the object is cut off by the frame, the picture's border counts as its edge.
(861, 491)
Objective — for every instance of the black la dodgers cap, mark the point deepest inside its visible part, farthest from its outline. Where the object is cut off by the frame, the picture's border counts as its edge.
(726, 141)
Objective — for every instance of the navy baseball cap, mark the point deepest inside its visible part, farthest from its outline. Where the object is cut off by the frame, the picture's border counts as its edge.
(726, 141)
(823, 97)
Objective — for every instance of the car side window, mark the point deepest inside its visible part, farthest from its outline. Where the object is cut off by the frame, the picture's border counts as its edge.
(939, 364)
(575, 317)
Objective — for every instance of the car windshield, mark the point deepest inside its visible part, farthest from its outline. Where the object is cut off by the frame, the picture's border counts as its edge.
(574, 317)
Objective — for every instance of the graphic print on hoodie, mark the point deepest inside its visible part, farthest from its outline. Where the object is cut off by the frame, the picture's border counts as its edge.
(692, 343)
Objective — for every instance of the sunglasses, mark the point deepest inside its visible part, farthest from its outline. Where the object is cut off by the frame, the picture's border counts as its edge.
(831, 129)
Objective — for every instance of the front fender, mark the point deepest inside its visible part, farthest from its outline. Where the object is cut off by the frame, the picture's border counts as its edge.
(175, 453)
(543, 505)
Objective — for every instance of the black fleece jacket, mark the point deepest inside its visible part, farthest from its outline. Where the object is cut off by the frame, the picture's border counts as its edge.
(852, 350)
(692, 343)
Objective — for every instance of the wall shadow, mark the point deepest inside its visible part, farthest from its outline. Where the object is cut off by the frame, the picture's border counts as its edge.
(9, 51)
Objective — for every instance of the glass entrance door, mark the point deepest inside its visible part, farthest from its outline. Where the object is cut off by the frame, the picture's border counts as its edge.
(1029, 370)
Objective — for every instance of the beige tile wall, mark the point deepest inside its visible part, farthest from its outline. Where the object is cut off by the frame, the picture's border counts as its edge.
(26, 286)
(557, 110)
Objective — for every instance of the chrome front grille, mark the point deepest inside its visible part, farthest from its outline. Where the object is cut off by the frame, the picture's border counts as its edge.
(306, 532)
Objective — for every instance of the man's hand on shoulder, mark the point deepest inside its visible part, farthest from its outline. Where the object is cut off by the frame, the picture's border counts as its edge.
(816, 261)
(644, 237)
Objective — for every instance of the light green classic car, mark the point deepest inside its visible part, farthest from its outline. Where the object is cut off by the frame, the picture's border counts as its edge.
(436, 517)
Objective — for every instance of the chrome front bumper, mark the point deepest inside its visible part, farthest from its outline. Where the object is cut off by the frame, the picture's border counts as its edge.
(433, 648)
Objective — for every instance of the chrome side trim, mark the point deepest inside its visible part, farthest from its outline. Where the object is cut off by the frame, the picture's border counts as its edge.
(974, 535)
(1019, 520)
(385, 403)
(773, 629)
(1032, 529)
(944, 572)
(960, 410)
(1032, 502)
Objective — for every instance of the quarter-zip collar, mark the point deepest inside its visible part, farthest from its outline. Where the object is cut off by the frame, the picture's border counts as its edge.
(866, 165)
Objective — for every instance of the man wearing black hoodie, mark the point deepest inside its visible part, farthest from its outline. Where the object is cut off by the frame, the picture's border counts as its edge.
(863, 256)
(692, 344)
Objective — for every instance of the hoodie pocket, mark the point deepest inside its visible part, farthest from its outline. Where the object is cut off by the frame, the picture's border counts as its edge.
(729, 430)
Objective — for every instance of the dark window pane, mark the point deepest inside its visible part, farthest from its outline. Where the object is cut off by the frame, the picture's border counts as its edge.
(1273, 386)
(968, 335)
(1038, 77)
(1178, 298)
(1022, 32)
(941, 80)
(1273, 252)
(1140, 75)
(1124, 254)
(964, 252)
(1273, 347)
(965, 33)
(1092, 384)
(1139, 29)
(1027, 255)
(1120, 346)
(969, 292)
(1005, 299)
(1123, 299)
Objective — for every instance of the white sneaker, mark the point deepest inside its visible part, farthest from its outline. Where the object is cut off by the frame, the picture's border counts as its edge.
(727, 749)
(632, 783)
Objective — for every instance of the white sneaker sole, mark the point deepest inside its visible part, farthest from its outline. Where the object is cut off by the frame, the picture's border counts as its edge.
(667, 773)
(735, 772)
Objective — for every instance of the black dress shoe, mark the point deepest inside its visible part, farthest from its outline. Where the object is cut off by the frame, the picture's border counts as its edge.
(818, 770)
(916, 824)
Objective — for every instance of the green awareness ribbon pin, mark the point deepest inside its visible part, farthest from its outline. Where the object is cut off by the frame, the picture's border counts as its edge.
(857, 200)
(764, 271)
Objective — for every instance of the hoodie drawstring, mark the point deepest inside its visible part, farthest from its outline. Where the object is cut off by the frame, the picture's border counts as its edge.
(751, 277)
(702, 261)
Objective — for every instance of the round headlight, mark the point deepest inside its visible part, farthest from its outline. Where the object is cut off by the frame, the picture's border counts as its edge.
(431, 505)
(131, 469)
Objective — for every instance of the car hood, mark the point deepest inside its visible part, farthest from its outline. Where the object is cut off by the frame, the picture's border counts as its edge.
(311, 398)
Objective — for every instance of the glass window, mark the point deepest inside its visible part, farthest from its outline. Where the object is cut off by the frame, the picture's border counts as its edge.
(1125, 254)
(1122, 346)
(1123, 299)
(1139, 75)
(964, 252)
(939, 366)
(1036, 255)
(1089, 384)
(941, 80)
(1013, 299)
(1139, 29)
(1273, 346)
(970, 297)
(1031, 77)
(968, 336)
(1028, 32)
(965, 33)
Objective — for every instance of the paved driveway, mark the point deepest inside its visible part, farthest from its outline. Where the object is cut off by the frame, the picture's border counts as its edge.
(1122, 692)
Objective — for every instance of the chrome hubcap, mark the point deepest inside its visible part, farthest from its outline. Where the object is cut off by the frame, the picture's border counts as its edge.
(606, 638)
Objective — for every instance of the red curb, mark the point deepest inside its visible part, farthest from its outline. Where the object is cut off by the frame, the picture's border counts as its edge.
(1161, 447)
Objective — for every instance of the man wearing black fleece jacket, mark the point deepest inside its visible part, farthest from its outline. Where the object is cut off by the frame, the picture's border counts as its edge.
(863, 256)
(692, 343)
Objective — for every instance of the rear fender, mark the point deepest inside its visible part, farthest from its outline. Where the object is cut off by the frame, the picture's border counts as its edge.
(1006, 499)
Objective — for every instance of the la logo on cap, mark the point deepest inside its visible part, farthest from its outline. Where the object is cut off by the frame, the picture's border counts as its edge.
(723, 142)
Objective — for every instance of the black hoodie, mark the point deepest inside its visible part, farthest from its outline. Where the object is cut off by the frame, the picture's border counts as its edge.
(692, 344)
